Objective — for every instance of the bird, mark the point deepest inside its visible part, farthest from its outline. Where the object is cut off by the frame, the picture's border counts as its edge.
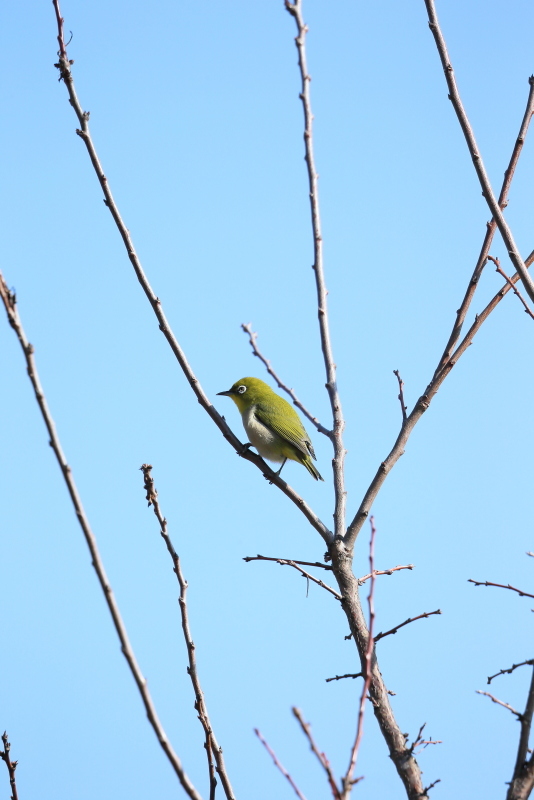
(272, 424)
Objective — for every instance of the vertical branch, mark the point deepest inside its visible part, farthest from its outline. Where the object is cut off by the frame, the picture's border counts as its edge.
(9, 301)
(11, 766)
(295, 9)
(347, 780)
(211, 745)
(480, 169)
(522, 781)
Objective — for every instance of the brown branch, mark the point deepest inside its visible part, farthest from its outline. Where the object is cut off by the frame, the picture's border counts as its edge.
(282, 769)
(295, 9)
(420, 742)
(510, 670)
(285, 562)
(512, 285)
(431, 786)
(500, 703)
(349, 675)
(211, 745)
(490, 231)
(9, 301)
(447, 361)
(293, 560)
(347, 781)
(321, 757)
(11, 765)
(522, 781)
(500, 586)
(469, 136)
(406, 622)
(83, 117)
(404, 408)
(252, 337)
(384, 572)
(530, 554)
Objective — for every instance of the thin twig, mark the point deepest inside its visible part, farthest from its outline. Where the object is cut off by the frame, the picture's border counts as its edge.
(293, 560)
(420, 742)
(431, 786)
(347, 781)
(244, 452)
(511, 669)
(512, 285)
(286, 563)
(384, 572)
(500, 586)
(404, 408)
(9, 301)
(321, 757)
(11, 765)
(406, 622)
(295, 9)
(490, 231)
(530, 554)
(500, 703)
(252, 337)
(211, 745)
(282, 769)
(349, 675)
(485, 184)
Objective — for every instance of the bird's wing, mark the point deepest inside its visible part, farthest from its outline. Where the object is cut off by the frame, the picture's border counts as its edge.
(287, 425)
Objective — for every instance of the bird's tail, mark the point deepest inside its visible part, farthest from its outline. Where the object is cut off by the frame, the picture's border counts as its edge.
(312, 469)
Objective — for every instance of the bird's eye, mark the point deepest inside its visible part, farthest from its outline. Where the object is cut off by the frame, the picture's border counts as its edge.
(241, 389)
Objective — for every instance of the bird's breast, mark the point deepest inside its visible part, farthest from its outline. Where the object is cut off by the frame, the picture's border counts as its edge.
(267, 443)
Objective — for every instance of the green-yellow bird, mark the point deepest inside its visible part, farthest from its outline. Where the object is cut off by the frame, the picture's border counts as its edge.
(272, 424)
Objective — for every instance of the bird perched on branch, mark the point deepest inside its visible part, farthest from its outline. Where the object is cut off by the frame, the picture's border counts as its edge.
(272, 424)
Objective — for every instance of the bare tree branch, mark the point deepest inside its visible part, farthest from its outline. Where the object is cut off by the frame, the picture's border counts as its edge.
(9, 301)
(211, 744)
(500, 586)
(420, 742)
(406, 622)
(511, 669)
(294, 560)
(490, 231)
(447, 360)
(340, 677)
(347, 781)
(321, 757)
(282, 769)
(500, 703)
(522, 781)
(404, 408)
(11, 766)
(252, 337)
(295, 9)
(485, 184)
(384, 572)
(285, 562)
(83, 117)
(512, 285)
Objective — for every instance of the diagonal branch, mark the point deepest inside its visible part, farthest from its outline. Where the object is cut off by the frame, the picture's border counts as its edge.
(490, 231)
(511, 284)
(252, 337)
(383, 572)
(9, 301)
(295, 9)
(500, 703)
(277, 764)
(508, 671)
(406, 622)
(83, 117)
(211, 744)
(294, 560)
(487, 191)
(321, 757)
(11, 765)
(447, 361)
(285, 562)
(501, 586)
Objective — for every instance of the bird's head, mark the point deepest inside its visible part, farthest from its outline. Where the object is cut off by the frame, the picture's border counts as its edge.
(248, 391)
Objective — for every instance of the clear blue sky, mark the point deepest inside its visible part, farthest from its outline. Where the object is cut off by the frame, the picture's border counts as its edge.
(195, 113)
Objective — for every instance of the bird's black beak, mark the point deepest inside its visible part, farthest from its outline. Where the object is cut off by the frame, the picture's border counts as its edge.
(228, 393)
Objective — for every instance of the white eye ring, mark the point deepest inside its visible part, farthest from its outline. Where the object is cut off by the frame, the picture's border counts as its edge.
(241, 389)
